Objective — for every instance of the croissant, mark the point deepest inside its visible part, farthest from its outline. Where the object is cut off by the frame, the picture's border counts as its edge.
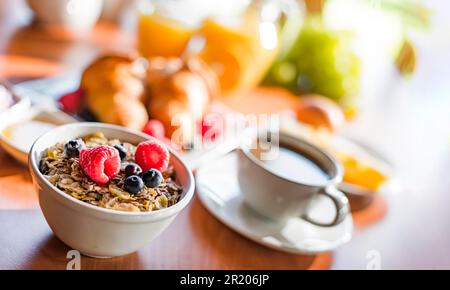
(178, 92)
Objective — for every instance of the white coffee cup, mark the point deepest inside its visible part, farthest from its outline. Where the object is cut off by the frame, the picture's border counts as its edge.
(279, 198)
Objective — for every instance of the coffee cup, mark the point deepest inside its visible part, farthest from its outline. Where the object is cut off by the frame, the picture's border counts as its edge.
(282, 185)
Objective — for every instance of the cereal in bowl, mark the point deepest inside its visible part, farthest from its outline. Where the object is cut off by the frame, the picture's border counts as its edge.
(112, 174)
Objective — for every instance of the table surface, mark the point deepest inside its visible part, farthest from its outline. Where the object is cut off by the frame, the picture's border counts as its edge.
(410, 229)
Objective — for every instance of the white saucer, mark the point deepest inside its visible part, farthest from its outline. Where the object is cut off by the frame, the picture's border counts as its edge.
(218, 190)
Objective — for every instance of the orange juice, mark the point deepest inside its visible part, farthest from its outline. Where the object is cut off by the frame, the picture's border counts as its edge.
(240, 53)
(159, 36)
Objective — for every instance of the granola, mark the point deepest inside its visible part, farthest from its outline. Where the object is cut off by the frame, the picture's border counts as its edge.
(66, 173)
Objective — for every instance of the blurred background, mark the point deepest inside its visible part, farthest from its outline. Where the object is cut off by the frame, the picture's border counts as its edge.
(383, 63)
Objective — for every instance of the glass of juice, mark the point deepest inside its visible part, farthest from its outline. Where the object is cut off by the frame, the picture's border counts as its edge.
(240, 48)
(162, 29)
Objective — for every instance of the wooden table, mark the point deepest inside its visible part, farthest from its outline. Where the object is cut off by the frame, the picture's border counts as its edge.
(408, 230)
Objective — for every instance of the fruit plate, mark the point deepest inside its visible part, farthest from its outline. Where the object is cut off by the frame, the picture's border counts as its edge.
(359, 196)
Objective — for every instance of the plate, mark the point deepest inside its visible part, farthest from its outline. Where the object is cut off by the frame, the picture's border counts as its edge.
(219, 192)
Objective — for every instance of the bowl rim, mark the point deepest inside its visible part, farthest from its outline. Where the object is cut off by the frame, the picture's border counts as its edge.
(189, 192)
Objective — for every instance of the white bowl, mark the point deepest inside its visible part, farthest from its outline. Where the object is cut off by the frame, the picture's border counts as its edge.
(96, 231)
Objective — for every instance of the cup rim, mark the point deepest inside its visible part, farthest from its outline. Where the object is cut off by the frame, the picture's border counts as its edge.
(32, 164)
(333, 179)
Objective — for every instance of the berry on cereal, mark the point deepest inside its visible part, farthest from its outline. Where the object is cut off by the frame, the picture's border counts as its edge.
(152, 154)
(100, 163)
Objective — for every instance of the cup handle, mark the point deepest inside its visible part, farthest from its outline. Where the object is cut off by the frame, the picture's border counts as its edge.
(340, 202)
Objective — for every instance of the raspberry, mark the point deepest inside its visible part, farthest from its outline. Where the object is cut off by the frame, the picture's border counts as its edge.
(71, 102)
(152, 154)
(100, 163)
(155, 129)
